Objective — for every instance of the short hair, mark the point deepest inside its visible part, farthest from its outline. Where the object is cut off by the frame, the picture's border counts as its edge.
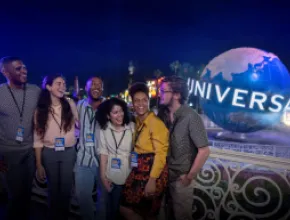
(7, 60)
(178, 85)
(138, 87)
(95, 77)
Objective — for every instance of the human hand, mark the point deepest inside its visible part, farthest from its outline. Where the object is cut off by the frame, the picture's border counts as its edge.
(185, 180)
(107, 184)
(40, 172)
(150, 188)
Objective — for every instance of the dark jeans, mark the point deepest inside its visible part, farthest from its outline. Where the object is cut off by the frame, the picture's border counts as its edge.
(59, 172)
(18, 182)
(113, 202)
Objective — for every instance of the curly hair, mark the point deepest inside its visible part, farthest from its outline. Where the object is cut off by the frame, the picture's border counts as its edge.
(178, 85)
(106, 107)
(44, 108)
(138, 87)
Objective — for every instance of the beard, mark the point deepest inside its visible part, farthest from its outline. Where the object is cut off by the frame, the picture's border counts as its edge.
(169, 103)
(93, 98)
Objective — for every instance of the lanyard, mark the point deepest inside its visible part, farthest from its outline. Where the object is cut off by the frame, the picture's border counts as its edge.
(21, 111)
(91, 117)
(118, 145)
(138, 134)
(58, 124)
(91, 120)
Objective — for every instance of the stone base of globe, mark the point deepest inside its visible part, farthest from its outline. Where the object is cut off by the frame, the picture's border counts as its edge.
(266, 137)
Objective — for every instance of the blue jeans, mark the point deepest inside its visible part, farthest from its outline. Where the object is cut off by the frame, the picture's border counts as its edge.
(85, 179)
(113, 202)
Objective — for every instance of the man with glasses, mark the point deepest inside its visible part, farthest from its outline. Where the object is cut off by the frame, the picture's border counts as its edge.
(188, 145)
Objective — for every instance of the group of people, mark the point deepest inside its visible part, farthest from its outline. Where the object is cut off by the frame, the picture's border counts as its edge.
(143, 166)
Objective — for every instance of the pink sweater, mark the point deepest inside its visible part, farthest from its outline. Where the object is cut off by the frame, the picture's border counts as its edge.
(53, 130)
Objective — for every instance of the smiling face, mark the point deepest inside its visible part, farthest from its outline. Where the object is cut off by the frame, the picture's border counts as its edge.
(94, 88)
(58, 87)
(116, 115)
(16, 72)
(141, 103)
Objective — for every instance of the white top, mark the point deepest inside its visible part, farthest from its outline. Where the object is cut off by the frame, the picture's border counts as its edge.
(108, 147)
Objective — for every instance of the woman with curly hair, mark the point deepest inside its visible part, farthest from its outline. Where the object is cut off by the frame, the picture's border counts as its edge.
(144, 189)
(115, 147)
(54, 141)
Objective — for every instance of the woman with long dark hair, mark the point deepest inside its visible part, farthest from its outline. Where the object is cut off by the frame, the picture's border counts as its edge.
(54, 141)
(115, 147)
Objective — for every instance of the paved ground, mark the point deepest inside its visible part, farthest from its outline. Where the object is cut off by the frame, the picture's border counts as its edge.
(38, 210)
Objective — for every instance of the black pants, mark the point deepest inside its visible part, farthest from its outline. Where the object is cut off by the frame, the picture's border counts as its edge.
(18, 182)
(59, 172)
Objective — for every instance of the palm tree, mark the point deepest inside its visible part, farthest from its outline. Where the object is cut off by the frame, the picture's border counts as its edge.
(186, 70)
(157, 74)
(175, 66)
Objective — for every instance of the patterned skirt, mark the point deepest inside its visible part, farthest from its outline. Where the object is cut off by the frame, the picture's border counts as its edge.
(133, 192)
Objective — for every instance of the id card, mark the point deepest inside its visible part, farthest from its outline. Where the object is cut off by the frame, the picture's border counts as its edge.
(134, 159)
(19, 134)
(59, 144)
(90, 140)
(116, 164)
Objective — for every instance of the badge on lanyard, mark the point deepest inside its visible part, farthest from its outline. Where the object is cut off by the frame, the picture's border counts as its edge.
(59, 144)
(19, 134)
(134, 159)
(20, 129)
(116, 164)
(90, 140)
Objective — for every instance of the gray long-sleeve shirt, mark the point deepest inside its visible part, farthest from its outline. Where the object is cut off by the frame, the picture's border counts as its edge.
(10, 117)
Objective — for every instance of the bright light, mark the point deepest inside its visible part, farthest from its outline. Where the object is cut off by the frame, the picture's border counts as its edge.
(255, 76)
(190, 104)
(286, 118)
(152, 88)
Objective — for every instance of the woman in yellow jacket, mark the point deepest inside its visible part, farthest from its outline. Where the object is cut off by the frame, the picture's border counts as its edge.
(145, 186)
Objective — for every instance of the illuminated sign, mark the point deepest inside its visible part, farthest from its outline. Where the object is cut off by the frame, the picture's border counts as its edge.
(257, 99)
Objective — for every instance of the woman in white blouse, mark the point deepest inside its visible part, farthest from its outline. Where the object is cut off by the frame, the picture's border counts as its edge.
(115, 148)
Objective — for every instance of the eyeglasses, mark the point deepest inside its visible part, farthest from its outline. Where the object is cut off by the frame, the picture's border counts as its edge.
(165, 91)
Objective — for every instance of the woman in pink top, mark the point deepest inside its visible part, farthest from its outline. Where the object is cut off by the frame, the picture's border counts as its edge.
(54, 141)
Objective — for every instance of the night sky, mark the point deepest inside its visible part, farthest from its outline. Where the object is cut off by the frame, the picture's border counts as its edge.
(88, 39)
